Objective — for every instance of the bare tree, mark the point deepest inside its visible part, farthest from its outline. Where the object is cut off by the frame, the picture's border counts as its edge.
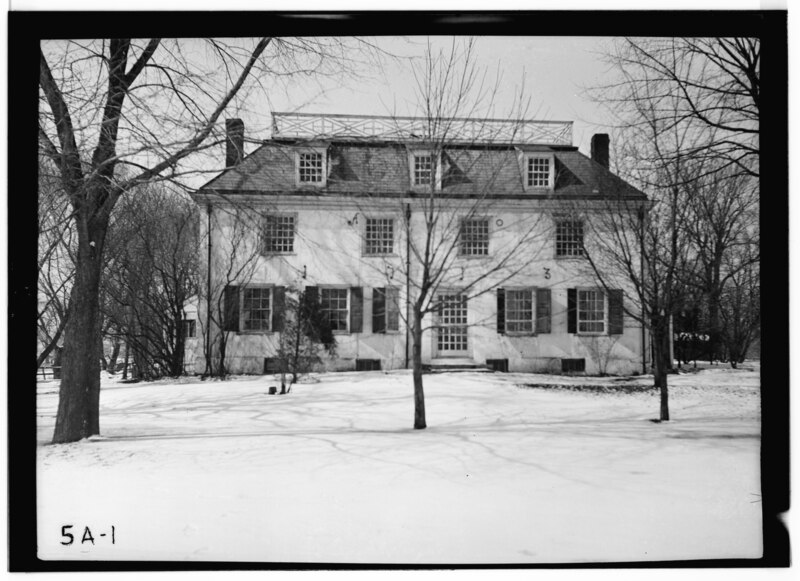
(56, 265)
(688, 110)
(740, 307)
(648, 246)
(444, 261)
(723, 221)
(148, 105)
(709, 84)
(153, 270)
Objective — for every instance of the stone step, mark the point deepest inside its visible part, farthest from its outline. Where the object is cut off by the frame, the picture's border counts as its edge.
(442, 365)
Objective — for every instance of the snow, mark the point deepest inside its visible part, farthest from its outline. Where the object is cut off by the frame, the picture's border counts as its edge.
(333, 473)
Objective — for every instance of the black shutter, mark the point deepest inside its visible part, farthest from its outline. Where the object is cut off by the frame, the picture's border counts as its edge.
(572, 310)
(356, 309)
(230, 320)
(311, 294)
(543, 310)
(378, 310)
(278, 308)
(501, 311)
(615, 312)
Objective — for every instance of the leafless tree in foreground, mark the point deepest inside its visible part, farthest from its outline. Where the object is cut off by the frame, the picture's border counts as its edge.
(709, 84)
(688, 110)
(152, 272)
(147, 105)
(438, 229)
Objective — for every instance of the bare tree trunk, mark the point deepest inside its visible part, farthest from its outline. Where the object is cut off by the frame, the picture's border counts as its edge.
(125, 364)
(112, 362)
(419, 394)
(53, 343)
(660, 356)
(79, 394)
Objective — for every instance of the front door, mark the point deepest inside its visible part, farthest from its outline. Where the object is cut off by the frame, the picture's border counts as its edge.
(451, 327)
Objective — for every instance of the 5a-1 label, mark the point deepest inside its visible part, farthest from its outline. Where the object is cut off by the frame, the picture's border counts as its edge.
(70, 534)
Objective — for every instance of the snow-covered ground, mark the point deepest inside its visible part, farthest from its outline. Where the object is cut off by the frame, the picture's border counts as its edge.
(333, 472)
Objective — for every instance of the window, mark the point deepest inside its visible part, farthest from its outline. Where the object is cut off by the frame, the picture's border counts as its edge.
(519, 311)
(379, 236)
(591, 311)
(473, 239)
(539, 172)
(311, 168)
(423, 170)
(335, 308)
(426, 169)
(279, 234)
(569, 238)
(189, 328)
(256, 308)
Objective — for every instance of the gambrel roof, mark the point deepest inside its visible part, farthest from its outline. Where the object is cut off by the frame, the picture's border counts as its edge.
(380, 168)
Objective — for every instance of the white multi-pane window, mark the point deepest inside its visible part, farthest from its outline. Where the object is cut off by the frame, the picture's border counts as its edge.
(423, 169)
(279, 234)
(591, 311)
(473, 237)
(310, 168)
(569, 238)
(519, 311)
(538, 172)
(256, 308)
(335, 308)
(379, 236)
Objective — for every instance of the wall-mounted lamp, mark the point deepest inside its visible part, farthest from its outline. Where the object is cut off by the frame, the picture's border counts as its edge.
(390, 272)
(354, 221)
(304, 272)
(462, 273)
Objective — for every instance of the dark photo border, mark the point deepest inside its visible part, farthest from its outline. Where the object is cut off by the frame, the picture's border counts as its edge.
(26, 29)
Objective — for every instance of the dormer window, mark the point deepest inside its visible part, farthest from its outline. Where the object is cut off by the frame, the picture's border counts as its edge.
(426, 170)
(423, 170)
(311, 166)
(539, 171)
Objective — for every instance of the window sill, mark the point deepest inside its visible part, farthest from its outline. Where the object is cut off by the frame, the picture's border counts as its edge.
(255, 332)
(520, 334)
(570, 257)
(380, 255)
(474, 256)
(590, 334)
(274, 254)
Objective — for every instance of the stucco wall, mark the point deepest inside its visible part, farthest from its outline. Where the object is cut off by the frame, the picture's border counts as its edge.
(329, 252)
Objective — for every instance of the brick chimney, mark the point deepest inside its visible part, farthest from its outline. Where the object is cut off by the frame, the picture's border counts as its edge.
(234, 142)
(600, 148)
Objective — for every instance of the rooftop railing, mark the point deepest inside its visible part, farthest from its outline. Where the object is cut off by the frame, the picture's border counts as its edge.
(453, 130)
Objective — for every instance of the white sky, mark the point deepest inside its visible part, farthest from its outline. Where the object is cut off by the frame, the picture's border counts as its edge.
(555, 72)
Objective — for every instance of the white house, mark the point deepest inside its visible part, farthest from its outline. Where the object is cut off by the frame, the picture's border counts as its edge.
(354, 208)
